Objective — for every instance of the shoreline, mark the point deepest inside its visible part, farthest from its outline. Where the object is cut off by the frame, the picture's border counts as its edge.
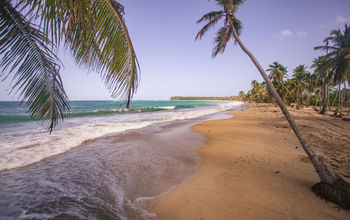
(253, 168)
(114, 174)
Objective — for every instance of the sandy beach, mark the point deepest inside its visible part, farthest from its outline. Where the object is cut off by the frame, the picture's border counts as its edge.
(254, 168)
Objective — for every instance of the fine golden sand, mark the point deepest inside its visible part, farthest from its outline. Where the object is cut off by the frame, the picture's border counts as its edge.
(254, 168)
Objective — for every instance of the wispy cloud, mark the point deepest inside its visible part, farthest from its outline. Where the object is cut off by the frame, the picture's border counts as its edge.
(341, 19)
(285, 34)
(301, 33)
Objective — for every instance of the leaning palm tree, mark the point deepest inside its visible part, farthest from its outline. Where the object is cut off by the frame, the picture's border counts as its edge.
(332, 187)
(93, 31)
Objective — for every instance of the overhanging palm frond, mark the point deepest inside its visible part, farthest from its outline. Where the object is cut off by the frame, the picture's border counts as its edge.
(26, 55)
(96, 34)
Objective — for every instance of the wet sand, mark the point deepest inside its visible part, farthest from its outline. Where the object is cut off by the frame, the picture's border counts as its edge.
(254, 168)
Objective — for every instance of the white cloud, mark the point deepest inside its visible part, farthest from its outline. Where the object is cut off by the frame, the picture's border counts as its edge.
(341, 19)
(286, 33)
(301, 33)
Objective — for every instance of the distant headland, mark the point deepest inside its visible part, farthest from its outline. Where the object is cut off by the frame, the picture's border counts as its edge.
(186, 98)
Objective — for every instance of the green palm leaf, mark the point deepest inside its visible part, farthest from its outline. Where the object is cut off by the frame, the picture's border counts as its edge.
(26, 54)
(212, 18)
(95, 33)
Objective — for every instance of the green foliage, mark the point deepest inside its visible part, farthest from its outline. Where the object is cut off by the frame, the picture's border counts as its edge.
(230, 21)
(26, 55)
(199, 98)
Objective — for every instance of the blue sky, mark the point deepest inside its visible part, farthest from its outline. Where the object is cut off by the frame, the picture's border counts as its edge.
(173, 64)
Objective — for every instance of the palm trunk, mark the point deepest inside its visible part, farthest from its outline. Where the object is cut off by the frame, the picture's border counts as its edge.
(318, 97)
(335, 98)
(326, 175)
(325, 104)
(338, 110)
(344, 96)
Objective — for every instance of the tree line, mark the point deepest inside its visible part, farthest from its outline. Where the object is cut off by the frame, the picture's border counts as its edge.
(325, 84)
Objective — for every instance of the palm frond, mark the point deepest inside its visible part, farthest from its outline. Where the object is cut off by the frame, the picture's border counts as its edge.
(210, 16)
(222, 37)
(96, 35)
(224, 3)
(237, 24)
(213, 18)
(27, 56)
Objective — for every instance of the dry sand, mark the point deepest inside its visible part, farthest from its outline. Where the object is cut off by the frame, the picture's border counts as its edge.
(254, 168)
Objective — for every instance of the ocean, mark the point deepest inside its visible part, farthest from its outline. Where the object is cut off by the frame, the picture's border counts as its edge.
(103, 161)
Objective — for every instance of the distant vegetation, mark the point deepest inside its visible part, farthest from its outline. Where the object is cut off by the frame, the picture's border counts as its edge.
(302, 89)
(186, 98)
(324, 84)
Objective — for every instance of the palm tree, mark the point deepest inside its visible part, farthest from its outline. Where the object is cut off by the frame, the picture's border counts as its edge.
(93, 31)
(277, 74)
(338, 55)
(300, 75)
(321, 74)
(331, 183)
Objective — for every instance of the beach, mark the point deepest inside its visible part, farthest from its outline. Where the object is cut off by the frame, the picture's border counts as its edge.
(253, 167)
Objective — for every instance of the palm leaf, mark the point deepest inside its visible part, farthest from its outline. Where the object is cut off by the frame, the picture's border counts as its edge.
(213, 18)
(222, 37)
(95, 33)
(26, 55)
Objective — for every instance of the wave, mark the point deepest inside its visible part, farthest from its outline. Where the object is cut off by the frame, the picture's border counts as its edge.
(24, 118)
(29, 143)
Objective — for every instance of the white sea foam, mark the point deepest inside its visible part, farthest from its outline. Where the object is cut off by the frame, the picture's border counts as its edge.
(31, 143)
(171, 107)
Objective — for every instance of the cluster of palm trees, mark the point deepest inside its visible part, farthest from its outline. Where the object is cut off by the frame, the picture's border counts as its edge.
(326, 86)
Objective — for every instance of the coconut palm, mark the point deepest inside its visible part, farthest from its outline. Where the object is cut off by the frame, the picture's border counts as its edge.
(300, 76)
(321, 74)
(338, 55)
(277, 73)
(231, 29)
(93, 31)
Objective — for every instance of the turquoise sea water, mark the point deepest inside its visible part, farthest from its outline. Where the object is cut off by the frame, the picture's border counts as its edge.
(15, 112)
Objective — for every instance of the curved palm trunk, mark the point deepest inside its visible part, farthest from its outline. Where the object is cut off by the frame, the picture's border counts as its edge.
(326, 175)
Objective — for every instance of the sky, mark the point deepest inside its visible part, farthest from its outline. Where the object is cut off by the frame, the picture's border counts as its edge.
(174, 64)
